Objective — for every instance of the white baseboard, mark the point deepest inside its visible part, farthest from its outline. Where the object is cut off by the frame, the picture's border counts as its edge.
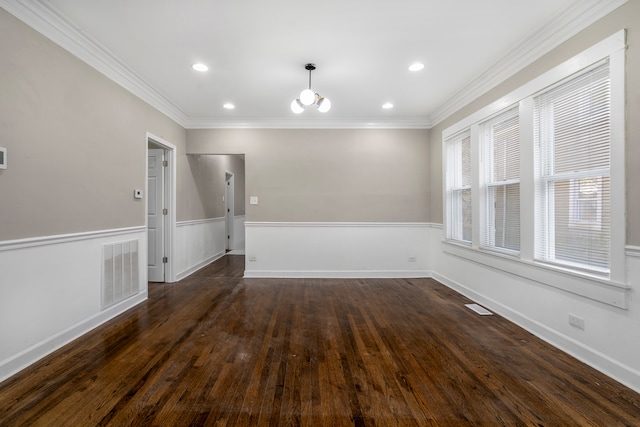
(338, 274)
(36, 352)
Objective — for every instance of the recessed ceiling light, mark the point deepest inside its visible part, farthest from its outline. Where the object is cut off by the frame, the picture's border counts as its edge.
(416, 67)
(387, 106)
(229, 106)
(199, 67)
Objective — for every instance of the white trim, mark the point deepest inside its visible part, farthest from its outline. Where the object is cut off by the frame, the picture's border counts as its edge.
(579, 16)
(198, 221)
(617, 174)
(9, 245)
(36, 352)
(632, 251)
(613, 368)
(606, 291)
(250, 224)
(417, 122)
(338, 274)
(170, 189)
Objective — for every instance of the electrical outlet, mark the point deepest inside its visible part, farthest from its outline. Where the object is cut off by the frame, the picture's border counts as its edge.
(252, 258)
(576, 321)
(412, 259)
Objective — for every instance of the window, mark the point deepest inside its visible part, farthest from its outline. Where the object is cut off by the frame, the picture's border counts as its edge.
(459, 187)
(572, 143)
(543, 168)
(500, 151)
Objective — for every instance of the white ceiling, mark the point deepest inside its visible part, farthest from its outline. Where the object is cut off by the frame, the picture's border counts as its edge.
(256, 51)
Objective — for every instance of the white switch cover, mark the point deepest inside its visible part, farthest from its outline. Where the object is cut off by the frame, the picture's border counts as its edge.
(137, 194)
(253, 200)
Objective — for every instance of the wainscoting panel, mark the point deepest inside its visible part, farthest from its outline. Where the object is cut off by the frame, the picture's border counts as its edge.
(238, 243)
(51, 291)
(198, 243)
(336, 249)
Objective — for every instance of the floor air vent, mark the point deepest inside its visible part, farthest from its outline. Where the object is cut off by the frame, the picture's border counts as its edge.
(479, 309)
(120, 275)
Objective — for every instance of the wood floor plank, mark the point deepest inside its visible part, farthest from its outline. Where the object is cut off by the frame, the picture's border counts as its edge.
(216, 349)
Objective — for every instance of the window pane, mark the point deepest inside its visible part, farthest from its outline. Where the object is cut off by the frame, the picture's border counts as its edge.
(465, 145)
(466, 215)
(582, 236)
(506, 227)
(506, 151)
(461, 215)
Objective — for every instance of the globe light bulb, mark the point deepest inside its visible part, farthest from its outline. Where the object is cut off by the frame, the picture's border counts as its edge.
(296, 106)
(324, 105)
(307, 97)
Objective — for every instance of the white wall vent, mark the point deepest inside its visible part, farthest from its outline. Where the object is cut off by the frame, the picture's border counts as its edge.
(120, 275)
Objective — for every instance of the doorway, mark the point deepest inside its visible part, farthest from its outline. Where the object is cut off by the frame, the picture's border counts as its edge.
(160, 209)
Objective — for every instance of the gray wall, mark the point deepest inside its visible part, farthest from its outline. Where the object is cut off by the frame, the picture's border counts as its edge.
(627, 16)
(76, 141)
(328, 175)
(208, 177)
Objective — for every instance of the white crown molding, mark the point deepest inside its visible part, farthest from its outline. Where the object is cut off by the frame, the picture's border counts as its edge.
(44, 19)
(574, 19)
(297, 123)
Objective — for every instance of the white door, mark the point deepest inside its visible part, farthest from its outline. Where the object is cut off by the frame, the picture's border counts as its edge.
(229, 214)
(155, 217)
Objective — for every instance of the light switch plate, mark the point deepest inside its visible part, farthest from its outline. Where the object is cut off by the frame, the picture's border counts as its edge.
(137, 193)
(253, 200)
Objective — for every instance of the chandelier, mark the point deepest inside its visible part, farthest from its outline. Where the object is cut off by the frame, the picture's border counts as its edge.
(308, 97)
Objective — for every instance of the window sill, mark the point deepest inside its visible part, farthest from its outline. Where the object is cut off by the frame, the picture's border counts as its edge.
(588, 286)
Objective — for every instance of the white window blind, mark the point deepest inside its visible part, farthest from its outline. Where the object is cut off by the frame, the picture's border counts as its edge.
(501, 161)
(572, 143)
(459, 187)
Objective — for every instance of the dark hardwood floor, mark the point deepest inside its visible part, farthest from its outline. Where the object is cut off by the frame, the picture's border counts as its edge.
(217, 349)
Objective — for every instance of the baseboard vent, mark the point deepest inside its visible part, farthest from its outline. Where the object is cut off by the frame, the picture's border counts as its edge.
(120, 275)
(478, 309)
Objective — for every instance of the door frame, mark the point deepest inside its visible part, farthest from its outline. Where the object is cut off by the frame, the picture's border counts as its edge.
(169, 188)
